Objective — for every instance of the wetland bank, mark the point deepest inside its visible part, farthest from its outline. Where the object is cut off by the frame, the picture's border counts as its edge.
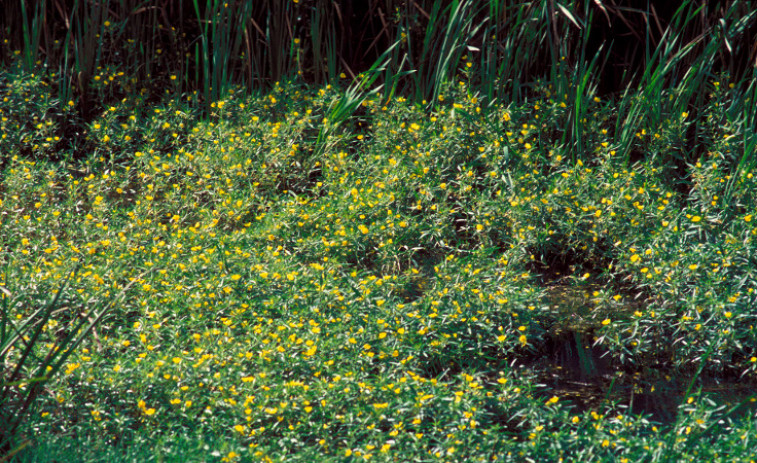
(461, 254)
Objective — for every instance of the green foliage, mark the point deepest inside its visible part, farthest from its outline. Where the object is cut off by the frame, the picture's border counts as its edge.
(327, 274)
(460, 246)
(35, 343)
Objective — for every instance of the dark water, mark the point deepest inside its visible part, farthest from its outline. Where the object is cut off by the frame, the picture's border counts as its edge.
(572, 366)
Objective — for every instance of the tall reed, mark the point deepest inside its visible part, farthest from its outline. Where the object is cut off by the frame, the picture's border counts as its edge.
(676, 72)
(223, 27)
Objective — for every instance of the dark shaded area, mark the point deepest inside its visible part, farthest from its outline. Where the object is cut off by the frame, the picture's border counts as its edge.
(629, 31)
(157, 37)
